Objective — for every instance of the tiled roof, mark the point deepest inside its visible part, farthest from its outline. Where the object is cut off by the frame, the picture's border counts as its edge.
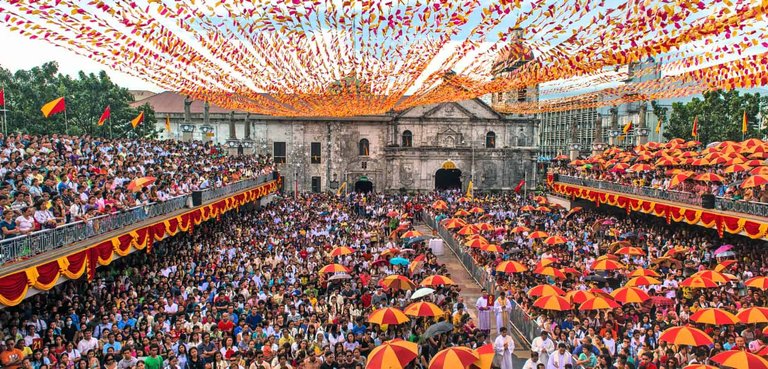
(172, 102)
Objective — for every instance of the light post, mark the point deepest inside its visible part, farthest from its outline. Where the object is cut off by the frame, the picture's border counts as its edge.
(186, 132)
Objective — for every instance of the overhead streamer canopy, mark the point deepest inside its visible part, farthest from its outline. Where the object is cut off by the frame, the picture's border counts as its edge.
(362, 57)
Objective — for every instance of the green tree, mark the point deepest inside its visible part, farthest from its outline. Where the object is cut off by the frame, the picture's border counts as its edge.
(86, 97)
(720, 115)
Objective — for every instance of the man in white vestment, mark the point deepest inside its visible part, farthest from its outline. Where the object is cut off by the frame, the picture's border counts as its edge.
(502, 306)
(484, 313)
(543, 345)
(559, 359)
(504, 346)
(533, 362)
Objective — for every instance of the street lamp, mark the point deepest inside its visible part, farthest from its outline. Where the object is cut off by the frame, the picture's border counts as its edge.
(643, 132)
(598, 146)
(187, 128)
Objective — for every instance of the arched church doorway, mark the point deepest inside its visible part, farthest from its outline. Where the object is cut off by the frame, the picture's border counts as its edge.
(448, 177)
(363, 185)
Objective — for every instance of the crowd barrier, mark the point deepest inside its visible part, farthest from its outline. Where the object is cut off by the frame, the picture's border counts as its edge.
(38, 242)
(520, 319)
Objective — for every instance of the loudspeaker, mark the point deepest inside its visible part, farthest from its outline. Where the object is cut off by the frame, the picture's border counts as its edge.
(708, 201)
(197, 198)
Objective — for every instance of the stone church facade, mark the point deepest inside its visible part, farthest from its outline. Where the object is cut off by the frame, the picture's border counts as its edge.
(395, 151)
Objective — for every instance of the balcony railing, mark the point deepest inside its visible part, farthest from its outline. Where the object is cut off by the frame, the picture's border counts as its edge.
(674, 196)
(740, 206)
(35, 243)
(721, 203)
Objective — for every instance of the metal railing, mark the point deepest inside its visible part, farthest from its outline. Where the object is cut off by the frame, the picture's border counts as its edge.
(518, 317)
(38, 242)
(741, 206)
(669, 195)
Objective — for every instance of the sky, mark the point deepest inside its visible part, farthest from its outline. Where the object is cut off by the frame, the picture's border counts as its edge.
(25, 54)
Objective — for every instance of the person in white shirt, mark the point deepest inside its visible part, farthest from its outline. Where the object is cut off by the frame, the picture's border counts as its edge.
(504, 346)
(88, 343)
(560, 359)
(533, 362)
(26, 221)
(543, 345)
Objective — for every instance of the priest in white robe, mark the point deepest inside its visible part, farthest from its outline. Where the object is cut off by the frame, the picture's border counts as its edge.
(504, 346)
(502, 306)
(543, 345)
(484, 313)
(560, 358)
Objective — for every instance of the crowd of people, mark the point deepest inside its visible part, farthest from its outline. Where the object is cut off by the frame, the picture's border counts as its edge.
(246, 292)
(48, 181)
(627, 336)
(680, 166)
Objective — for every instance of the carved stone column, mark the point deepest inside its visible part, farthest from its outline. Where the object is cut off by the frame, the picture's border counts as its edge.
(597, 137)
(642, 126)
(614, 134)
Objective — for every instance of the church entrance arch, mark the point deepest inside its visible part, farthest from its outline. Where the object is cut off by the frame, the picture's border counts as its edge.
(448, 177)
(363, 185)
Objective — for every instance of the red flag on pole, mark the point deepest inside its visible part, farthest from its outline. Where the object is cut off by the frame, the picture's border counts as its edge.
(520, 186)
(104, 116)
(2, 97)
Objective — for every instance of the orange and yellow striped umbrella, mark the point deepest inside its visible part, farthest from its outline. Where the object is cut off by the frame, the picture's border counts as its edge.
(578, 296)
(714, 316)
(476, 210)
(716, 277)
(412, 234)
(698, 282)
(453, 223)
(550, 271)
(599, 303)
(492, 248)
(461, 213)
(543, 209)
(686, 336)
(555, 240)
(341, 250)
(423, 309)
(387, 315)
(545, 290)
(397, 282)
(476, 243)
(439, 205)
(537, 234)
(436, 280)
(467, 230)
(527, 208)
(458, 357)
(137, 184)
(606, 264)
(520, 229)
(642, 281)
(642, 272)
(720, 267)
(756, 180)
(546, 261)
(734, 168)
(709, 177)
(511, 266)
(485, 355)
(393, 354)
(630, 295)
(630, 251)
(553, 302)
(757, 282)
(737, 359)
(753, 315)
(484, 226)
(334, 268)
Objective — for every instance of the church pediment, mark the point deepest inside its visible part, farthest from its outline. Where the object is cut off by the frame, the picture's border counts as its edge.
(459, 110)
(449, 111)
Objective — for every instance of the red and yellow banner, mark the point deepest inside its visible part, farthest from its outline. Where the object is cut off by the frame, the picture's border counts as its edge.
(721, 221)
(14, 287)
